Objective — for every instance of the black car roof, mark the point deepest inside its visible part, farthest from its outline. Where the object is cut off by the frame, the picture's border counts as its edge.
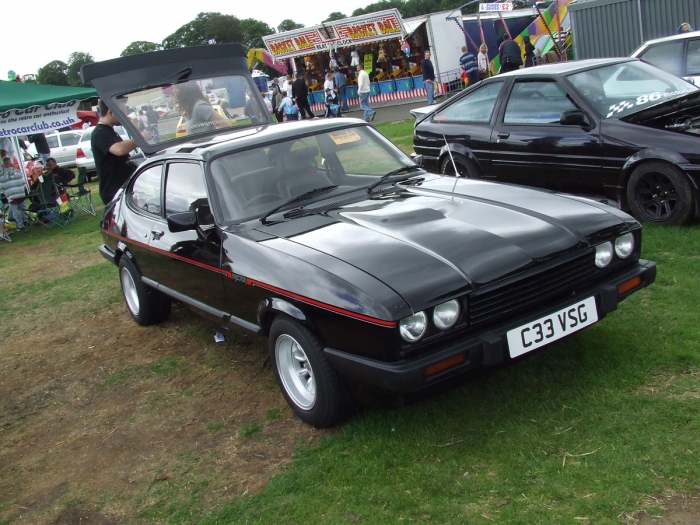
(563, 68)
(212, 146)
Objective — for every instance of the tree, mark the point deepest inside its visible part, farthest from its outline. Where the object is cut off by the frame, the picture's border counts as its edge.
(252, 33)
(140, 46)
(75, 61)
(207, 28)
(335, 15)
(288, 25)
(53, 73)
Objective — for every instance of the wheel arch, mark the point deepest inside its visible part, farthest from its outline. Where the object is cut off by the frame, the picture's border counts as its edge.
(671, 158)
(271, 307)
(458, 149)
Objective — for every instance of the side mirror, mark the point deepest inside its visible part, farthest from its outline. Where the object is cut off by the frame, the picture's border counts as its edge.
(418, 159)
(182, 222)
(573, 117)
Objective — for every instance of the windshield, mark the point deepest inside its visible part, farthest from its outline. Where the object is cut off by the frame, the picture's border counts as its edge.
(251, 183)
(622, 89)
(188, 109)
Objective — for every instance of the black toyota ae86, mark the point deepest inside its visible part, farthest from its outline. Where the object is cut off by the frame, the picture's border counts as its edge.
(369, 276)
(616, 129)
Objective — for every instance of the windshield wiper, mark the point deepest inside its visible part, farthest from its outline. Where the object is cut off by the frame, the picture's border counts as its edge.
(384, 178)
(298, 198)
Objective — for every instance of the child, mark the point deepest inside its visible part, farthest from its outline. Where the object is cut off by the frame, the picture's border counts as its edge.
(332, 107)
(12, 185)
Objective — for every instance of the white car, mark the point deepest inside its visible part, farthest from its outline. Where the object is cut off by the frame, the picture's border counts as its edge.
(83, 155)
(678, 54)
(63, 146)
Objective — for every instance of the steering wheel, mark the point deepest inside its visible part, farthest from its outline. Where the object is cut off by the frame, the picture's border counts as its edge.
(262, 198)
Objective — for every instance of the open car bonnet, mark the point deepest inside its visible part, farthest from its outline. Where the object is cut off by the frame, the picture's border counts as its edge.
(165, 98)
(678, 114)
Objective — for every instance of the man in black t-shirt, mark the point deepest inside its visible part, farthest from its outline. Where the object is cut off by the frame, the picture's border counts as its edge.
(111, 154)
(42, 146)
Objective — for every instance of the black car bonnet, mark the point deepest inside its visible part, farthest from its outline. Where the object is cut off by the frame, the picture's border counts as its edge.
(121, 76)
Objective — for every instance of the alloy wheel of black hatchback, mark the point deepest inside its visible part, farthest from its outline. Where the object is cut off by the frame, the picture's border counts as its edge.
(659, 193)
(463, 166)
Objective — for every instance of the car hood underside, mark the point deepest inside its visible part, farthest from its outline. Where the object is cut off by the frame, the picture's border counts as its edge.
(428, 243)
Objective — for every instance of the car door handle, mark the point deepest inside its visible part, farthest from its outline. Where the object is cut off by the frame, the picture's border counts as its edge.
(156, 235)
(503, 134)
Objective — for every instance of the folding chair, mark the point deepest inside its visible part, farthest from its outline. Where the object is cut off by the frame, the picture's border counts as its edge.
(45, 203)
(79, 194)
(4, 234)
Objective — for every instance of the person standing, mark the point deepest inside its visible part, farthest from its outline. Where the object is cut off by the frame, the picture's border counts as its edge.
(341, 83)
(509, 54)
(287, 86)
(276, 101)
(467, 63)
(529, 52)
(428, 77)
(42, 146)
(483, 62)
(111, 154)
(685, 27)
(12, 184)
(300, 95)
(363, 89)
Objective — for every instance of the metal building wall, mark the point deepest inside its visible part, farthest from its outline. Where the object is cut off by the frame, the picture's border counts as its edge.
(609, 28)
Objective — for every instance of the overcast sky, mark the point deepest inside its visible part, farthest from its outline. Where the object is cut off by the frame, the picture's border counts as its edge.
(35, 33)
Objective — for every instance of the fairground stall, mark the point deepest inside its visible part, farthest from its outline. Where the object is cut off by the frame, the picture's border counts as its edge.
(391, 54)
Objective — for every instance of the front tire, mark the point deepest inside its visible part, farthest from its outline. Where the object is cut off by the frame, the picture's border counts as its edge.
(464, 166)
(660, 193)
(146, 305)
(311, 386)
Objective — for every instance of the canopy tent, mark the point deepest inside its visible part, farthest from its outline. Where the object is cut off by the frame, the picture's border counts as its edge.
(20, 95)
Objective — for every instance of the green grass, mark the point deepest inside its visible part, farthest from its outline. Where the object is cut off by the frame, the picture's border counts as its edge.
(590, 427)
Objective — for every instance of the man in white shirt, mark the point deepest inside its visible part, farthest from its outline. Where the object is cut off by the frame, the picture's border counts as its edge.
(363, 90)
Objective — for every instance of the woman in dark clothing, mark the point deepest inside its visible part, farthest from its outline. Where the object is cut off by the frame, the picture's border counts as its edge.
(529, 52)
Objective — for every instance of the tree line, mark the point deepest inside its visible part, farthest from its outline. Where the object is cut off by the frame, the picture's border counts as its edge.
(218, 28)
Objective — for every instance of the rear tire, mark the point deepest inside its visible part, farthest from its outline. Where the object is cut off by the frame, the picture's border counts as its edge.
(311, 386)
(660, 193)
(146, 305)
(465, 168)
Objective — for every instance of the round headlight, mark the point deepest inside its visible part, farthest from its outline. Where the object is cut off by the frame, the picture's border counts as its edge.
(624, 245)
(413, 327)
(445, 315)
(603, 254)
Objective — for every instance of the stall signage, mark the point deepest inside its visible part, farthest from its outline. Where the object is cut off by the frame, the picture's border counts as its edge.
(340, 33)
(367, 63)
(38, 119)
(496, 6)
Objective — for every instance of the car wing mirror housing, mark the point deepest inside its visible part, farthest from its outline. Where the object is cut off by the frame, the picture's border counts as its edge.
(418, 159)
(182, 222)
(574, 117)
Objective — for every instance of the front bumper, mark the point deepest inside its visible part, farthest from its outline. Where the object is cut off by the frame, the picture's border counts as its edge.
(487, 348)
(107, 253)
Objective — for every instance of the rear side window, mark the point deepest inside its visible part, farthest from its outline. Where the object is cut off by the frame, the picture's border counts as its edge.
(667, 56)
(477, 106)
(52, 141)
(145, 191)
(70, 139)
(692, 63)
(185, 191)
(536, 103)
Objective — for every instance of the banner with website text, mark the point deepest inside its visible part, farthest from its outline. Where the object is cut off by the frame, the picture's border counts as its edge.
(339, 33)
(38, 119)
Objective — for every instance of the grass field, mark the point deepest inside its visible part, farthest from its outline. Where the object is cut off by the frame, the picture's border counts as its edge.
(589, 430)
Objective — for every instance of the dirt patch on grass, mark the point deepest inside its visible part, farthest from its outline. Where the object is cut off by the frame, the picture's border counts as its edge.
(105, 419)
(673, 384)
(675, 509)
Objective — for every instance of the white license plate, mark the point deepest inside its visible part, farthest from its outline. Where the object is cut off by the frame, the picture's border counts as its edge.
(554, 326)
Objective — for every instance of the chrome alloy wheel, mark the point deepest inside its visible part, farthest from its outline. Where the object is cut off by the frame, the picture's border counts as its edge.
(295, 372)
(130, 292)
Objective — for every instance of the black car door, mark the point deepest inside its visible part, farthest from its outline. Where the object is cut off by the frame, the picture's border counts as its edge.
(188, 262)
(529, 145)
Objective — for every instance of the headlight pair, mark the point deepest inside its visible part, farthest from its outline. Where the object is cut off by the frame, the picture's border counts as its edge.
(414, 327)
(622, 247)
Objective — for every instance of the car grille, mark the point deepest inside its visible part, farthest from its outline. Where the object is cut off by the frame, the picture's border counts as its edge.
(519, 295)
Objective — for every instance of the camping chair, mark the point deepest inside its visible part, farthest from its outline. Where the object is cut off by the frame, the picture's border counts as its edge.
(4, 207)
(47, 205)
(79, 194)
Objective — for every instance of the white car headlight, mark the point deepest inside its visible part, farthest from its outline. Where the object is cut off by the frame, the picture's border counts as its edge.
(413, 327)
(624, 245)
(603, 254)
(445, 315)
